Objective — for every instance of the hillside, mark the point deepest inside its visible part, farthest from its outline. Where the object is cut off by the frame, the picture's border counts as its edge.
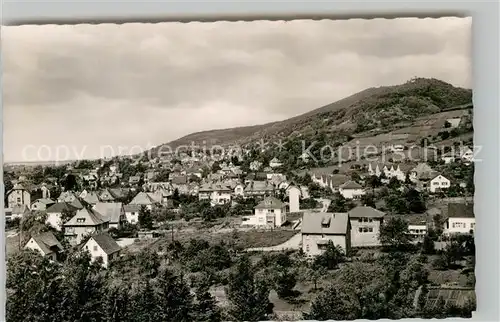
(368, 113)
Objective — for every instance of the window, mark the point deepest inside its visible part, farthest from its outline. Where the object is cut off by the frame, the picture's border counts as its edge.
(18, 199)
(370, 229)
(80, 220)
(95, 248)
(443, 183)
(360, 220)
(472, 225)
(436, 183)
(307, 247)
(360, 229)
(370, 220)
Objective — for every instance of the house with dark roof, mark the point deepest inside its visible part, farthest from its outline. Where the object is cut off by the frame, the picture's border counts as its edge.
(111, 211)
(46, 243)
(42, 204)
(351, 190)
(320, 228)
(270, 212)
(104, 246)
(86, 221)
(365, 226)
(460, 219)
(106, 196)
(55, 213)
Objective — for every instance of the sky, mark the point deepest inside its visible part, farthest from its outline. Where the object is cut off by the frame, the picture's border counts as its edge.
(89, 91)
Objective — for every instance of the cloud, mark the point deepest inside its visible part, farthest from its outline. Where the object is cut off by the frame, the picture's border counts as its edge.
(137, 83)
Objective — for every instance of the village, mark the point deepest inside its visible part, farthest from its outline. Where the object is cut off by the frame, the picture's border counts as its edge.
(119, 207)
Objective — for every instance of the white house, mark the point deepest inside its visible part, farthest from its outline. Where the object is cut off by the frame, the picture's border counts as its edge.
(318, 229)
(18, 196)
(418, 230)
(104, 246)
(351, 190)
(41, 204)
(46, 243)
(132, 213)
(271, 212)
(438, 183)
(388, 172)
(55, 212)
(460, 220)
(365, 226)
(294, 198)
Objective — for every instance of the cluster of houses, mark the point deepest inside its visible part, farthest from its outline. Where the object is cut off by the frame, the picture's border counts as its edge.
(422, 176)
(360, 227)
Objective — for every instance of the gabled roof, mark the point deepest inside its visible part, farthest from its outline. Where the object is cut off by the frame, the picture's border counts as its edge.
(325, 223)
(106, 242)
(60, 206)
(91, 198)
(47, 242)
(90, 218)
(45, 201)
(365, 212)
(131, 208)
(18, 186)
(142, 198)
(270, 203)
(460, 210)
(351, 185)
(110, 211)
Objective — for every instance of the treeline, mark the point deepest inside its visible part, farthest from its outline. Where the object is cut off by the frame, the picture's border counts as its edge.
(176, 283)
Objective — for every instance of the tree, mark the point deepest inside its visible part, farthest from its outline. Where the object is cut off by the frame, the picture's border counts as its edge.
(248, 297)
(447, 124)
(284, 280)
(415, 201)
(206, 309)
(331, 257)
(145, 303)
(175, 299)
(116, 304)
(394, 233)
(334, 304)
(428, 245)
(145, 218)
(33, 288)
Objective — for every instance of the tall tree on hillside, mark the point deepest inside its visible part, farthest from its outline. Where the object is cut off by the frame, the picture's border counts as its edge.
(33, 288)
(145, 218)
(206, 309)
(176, 301)
(248, 297)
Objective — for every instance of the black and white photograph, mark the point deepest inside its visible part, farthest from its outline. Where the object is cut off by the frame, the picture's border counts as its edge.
(259, 170)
